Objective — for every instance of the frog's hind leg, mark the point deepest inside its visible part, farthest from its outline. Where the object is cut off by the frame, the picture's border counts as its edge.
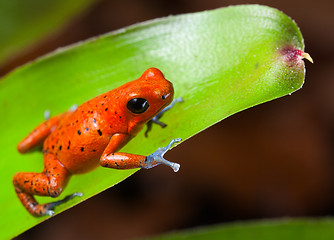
(50, 182)
(37, 136)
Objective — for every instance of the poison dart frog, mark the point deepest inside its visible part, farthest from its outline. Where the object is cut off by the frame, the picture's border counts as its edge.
(79, 140)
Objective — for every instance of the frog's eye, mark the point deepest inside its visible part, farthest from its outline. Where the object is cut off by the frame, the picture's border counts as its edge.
(138, 105)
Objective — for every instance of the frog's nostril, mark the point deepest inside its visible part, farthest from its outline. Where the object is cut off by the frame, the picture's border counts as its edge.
(164, 96)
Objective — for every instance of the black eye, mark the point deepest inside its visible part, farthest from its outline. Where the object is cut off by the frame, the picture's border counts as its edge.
(137, 105)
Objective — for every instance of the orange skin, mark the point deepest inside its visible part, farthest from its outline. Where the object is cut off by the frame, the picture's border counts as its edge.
(78, 141)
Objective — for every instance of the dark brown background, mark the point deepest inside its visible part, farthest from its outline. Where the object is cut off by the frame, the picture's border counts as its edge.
(274, 160)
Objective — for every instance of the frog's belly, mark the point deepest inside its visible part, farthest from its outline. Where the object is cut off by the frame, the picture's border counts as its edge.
(83, 164)
(78, 155)
(84, 156)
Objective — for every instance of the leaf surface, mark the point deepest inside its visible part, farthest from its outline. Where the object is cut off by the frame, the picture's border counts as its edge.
(220, 61)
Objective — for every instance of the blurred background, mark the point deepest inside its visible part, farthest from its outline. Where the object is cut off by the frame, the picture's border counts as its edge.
(274, 160)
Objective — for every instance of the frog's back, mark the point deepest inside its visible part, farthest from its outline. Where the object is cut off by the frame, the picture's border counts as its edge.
(81, 137)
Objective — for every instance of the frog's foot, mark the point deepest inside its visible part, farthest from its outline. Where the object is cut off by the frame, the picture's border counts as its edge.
(157, 157)
(156, 119)
(50, 206)
(47, 114)
(73, 108)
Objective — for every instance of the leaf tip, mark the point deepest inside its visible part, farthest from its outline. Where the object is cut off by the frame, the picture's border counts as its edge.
(306, 56)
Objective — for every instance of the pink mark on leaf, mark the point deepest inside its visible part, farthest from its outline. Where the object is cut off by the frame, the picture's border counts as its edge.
(292, 54)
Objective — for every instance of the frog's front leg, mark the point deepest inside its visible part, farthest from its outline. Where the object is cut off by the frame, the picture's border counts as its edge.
(112, 159)
(50, 182)
(156, 119)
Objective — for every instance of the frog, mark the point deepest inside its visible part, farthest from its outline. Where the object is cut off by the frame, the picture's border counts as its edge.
(91, 135)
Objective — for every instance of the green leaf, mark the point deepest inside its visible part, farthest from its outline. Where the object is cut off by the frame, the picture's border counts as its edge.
(220, 61)
(288, 229)
(22, 23)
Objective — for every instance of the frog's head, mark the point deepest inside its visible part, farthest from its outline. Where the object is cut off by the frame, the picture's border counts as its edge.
(146, 97)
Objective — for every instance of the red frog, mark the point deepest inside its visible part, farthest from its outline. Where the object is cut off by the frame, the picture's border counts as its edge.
(78, 141)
